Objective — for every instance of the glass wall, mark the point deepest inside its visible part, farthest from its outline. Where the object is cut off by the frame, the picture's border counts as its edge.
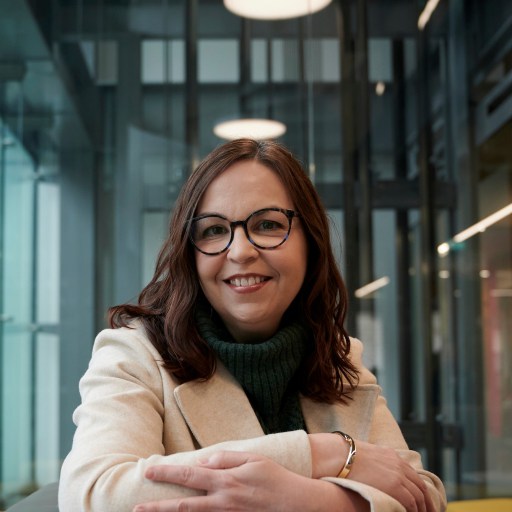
(46, 254)
(17, 315)
(105, 107)
(29, 322)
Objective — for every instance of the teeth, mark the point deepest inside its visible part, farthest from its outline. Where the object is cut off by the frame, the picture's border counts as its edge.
(246, 281)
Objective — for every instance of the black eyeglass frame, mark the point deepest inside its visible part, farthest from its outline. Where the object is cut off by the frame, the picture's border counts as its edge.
(290, 214)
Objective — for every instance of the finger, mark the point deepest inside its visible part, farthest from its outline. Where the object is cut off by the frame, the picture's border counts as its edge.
(195, 504)
(416, 496)
(429, 504)
(227, 460)
(192, 477)
(417, 487)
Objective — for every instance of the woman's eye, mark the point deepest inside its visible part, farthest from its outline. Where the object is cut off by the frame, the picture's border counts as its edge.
(214, 231)
(269, 225)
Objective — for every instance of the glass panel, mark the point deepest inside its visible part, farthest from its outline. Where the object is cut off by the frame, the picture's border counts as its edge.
(380, 60)
(323, 60)
(46, 395)
(417, 320)
(495, 271)
(385, 308)
(154, 232)
(46, 369)
(153, 62)
(163, 61)
(30, 270)
(16, 359)
(259, 61)
(48, 253)
(106, 62)
(218, 61)
(285, 60)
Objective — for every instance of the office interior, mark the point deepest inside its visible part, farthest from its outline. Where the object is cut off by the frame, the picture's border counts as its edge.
(404, 125)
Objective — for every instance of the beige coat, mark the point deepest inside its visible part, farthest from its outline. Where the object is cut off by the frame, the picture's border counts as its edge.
(134, 415)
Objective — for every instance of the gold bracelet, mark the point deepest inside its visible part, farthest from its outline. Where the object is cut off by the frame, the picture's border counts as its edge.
(345, 470)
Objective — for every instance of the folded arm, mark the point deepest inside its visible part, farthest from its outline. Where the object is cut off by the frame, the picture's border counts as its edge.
(120, 433)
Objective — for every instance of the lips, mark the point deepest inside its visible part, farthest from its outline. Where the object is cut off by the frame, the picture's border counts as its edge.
(244, 281)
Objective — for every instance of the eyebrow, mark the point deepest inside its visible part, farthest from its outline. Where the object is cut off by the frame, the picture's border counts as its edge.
(217, 214)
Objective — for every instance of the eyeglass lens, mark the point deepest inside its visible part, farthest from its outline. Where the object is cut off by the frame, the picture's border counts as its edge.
(266, 229)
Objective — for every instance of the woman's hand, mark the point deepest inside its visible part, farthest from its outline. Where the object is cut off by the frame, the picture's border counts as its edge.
(244, 481)
(384, 469)
(377, 466)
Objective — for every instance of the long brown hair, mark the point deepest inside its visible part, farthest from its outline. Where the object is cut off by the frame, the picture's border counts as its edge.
(166, 305)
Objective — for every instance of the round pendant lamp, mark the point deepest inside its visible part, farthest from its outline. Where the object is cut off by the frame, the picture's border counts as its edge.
(274, 9)
(259, 129)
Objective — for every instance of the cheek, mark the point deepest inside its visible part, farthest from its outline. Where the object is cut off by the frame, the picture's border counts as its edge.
(207, 268)
(301, 271)
(201, 267)
(300, 252)
(294, 266)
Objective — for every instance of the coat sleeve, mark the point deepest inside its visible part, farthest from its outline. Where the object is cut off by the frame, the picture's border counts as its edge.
(120, 430)
(385, 431)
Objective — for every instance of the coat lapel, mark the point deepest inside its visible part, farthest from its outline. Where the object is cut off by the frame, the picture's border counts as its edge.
(354, 417)
(217, 409)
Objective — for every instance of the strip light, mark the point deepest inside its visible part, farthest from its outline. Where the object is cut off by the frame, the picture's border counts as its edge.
(425, 15)
(444, 248)
(258, 129)
(369, 288)
(501, 293)
(274, 10)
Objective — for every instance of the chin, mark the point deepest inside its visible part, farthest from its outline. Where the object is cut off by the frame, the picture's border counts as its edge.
(249, 327)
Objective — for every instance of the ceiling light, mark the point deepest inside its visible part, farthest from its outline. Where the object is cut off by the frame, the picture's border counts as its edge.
(369, 288)
(425, 15)
(443, 249)
(258, 129)
(473, 230)
(380, 88)
(274, 9)
(501, 293)
(482, 225)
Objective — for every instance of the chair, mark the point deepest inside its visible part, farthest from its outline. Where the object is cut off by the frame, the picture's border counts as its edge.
(483, 505)
(43, 500)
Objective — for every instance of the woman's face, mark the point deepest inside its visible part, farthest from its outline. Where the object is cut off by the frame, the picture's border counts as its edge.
(251, 288)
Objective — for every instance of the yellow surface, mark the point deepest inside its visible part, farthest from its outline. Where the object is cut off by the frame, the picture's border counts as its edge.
(487, 505)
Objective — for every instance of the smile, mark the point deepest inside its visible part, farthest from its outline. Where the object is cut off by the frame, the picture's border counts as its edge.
(247, 281)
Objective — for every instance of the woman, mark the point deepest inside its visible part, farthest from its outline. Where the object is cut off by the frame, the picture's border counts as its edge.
(232, 384)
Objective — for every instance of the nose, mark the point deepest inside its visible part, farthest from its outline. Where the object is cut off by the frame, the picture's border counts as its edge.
(241, 250)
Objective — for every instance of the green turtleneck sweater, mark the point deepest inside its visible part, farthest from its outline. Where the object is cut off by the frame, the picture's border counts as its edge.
(265, 370)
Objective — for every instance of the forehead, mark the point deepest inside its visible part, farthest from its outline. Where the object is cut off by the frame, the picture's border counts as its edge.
(244, 187)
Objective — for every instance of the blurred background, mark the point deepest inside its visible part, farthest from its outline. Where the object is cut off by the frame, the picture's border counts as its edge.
(400, 110)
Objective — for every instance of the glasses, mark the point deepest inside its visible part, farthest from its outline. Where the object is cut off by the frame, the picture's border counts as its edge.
(265, 229)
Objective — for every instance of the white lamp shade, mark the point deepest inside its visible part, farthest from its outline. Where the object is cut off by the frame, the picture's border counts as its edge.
(274, 9)
(259, 129)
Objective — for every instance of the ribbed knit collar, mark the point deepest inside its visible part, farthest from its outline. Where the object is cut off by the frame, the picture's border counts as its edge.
(265, 370)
